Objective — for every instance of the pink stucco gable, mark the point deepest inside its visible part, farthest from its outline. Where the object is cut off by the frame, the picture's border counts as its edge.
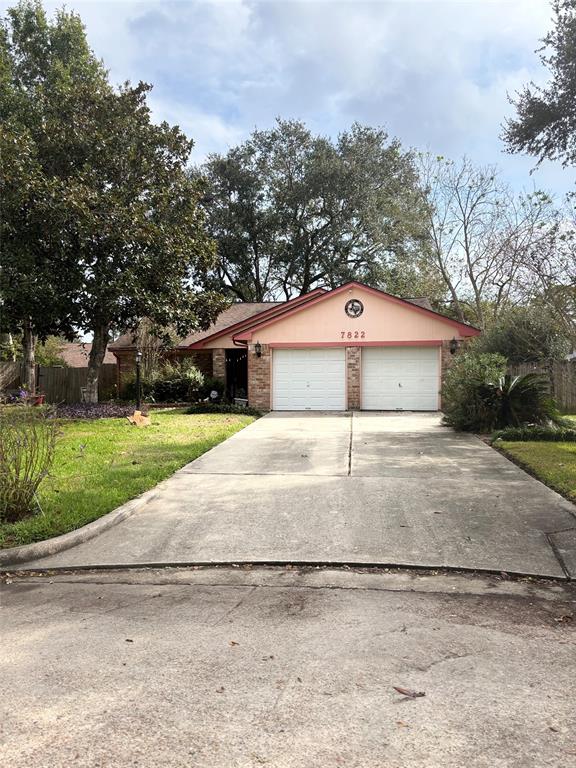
(385, 320)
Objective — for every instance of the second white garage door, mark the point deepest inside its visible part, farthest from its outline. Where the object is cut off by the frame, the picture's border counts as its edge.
(309, 379)
(400, 378)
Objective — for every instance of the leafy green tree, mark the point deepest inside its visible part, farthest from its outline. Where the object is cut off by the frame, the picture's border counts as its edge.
(545, 123)
(138, 231)
(291, 211)
(525, 335)
(108, 230)
(49, 351)
(47, 76)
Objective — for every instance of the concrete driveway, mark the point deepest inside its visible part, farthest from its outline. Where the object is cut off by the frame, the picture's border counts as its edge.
(365, 488)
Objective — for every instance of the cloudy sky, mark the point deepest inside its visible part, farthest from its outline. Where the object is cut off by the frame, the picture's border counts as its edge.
(435, 74)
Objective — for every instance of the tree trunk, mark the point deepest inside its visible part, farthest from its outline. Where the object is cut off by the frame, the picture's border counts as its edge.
(29, 350)
(99, 344)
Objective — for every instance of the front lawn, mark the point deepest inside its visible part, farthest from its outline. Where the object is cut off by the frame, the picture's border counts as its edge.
(552, 463)
(101, 464)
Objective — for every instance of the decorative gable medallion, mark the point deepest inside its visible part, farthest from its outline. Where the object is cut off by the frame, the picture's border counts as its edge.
(354, 308)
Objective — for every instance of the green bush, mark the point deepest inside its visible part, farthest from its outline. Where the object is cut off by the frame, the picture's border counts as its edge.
(526, 334)
(519, 400)
(535, 432)
(211, 384)
(178, 383)
(223, 408)
(172, 383)
(129, 388)
(474, 401)
(463, 407)
(27, 442)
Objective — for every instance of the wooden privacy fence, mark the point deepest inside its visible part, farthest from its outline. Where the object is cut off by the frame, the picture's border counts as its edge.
(562, 377)
(10, 376)
(60, 384)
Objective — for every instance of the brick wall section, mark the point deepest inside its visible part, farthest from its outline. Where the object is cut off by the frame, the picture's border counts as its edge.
(259, 378)
(219, 364)
(125, 366)
(201, 358)
(353, 367)
(203, 361)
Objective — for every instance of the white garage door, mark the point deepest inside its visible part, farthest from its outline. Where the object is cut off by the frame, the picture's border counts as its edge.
(403, 378)
(309, 379)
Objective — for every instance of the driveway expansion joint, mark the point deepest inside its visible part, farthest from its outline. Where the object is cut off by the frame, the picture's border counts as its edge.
(558, 554)
(305, 564)
(350, 443)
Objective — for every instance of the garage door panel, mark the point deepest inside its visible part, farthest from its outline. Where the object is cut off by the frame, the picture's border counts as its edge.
(309, 379)
(400, 378)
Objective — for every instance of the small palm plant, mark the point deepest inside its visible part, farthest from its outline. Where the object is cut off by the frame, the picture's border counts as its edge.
(513, 401)
(526, 399)
(27, 443)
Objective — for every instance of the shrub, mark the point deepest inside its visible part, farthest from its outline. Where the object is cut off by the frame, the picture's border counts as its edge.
(518, 400)
(223, 408)
(462, 405)
(129, 388)
(531, 432)
(27, 443)
(481, 405)
(212, 384)
(172, 383)
(526, 334)
(177, 383)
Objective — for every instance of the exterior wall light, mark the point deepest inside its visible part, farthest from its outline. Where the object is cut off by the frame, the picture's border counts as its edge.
(454, 346)
(258, 349)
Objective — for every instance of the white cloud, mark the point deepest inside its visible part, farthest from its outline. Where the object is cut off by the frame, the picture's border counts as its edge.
(435, 73)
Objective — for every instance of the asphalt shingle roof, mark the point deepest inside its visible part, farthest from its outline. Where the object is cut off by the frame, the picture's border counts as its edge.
(235, 313)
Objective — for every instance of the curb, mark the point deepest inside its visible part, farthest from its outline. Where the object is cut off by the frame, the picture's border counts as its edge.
(40, 549)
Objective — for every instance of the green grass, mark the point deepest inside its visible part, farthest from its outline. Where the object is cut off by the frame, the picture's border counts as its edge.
(103, 463)
(551, 462)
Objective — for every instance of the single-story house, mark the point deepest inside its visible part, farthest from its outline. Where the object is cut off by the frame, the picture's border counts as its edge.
(353, 347)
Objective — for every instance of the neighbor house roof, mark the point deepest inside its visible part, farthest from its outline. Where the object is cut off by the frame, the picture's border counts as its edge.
(75, 354)
(421, 302)
(234, 314)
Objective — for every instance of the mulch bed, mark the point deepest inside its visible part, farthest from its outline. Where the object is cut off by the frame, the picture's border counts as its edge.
(93, 410)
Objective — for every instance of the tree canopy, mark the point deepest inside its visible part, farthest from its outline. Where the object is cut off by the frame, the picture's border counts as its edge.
(545, 124)
(526, 334)
(487, 243)
(102, 225)
(291, 211)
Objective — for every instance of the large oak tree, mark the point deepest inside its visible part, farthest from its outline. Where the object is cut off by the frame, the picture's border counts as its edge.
(291, 211)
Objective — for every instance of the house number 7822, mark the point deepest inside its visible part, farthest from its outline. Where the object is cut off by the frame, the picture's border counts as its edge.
(352, 334)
